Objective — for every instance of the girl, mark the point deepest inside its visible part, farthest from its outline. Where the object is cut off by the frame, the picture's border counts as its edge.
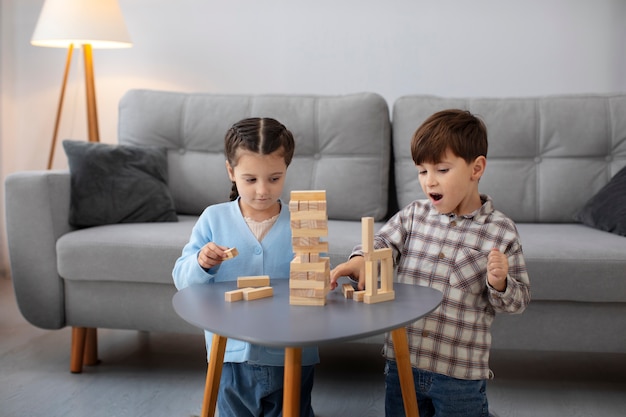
(256, 222)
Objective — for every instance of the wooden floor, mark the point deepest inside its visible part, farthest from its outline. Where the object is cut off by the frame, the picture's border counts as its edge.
(163, 375)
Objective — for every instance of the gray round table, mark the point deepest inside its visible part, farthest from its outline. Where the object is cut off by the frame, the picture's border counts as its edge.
(274, 322)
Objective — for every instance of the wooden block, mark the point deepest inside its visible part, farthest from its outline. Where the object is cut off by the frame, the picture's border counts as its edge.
(294, 206)
(298, 275)
(371, 277)
(309, 232)
(318, 276)
(367, 234)
(310, 224)
(306, 301)
(305, 241)
(320, 247)
(317, 205)
(358, 295)
(253, 281)
(347, 290)
(256, 293)
(308, 215)
(379, 254)
(386, 275)
(302, 257)
(234, 295)
(231, 253)
(308, 195)
(380, 297)
(300, 284)
(309, 266)
(308, 292)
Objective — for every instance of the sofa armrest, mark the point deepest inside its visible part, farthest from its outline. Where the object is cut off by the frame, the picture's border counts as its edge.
(37, 213)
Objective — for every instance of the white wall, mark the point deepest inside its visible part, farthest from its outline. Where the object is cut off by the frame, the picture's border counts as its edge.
(394, 47)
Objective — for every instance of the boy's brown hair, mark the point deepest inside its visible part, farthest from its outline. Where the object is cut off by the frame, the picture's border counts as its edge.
(458, 130)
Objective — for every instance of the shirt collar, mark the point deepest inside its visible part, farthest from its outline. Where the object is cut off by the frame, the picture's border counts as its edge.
(480, 215)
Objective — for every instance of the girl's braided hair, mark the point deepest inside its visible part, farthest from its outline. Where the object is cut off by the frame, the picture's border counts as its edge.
(262, 135)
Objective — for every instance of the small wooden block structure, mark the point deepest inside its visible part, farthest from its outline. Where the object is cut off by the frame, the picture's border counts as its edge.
(231, 253)
(309, 274)
(358, 295)
(373, 259)
(253, 281)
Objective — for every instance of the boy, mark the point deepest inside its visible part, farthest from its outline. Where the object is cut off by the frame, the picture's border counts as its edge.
(456, 242)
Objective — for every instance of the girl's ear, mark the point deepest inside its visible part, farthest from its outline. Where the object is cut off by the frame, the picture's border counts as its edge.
(478, 168)
(231, 171)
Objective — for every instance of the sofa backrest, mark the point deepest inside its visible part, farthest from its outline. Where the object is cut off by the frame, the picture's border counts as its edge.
(547, 156)
(343, 144)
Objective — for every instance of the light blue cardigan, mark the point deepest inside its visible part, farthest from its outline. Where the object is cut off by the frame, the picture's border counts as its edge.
(224, 224)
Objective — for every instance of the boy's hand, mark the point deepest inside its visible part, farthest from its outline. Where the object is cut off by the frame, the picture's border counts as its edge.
(497, 269)
(353, 269)
(211, 255)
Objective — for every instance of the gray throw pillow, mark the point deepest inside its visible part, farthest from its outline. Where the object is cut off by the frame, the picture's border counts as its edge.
(118, 184)
(607, 209)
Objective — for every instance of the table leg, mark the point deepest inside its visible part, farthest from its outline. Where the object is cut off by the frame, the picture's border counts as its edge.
(213, 375)
(291, 385)
(401, 346)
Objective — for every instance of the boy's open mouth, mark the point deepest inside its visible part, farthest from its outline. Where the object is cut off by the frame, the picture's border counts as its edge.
(436, 196)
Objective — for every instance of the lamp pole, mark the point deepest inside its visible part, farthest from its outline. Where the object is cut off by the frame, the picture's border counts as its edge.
(92, 112)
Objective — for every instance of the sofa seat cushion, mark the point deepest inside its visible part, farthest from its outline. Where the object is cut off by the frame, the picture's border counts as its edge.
(133, 252)
(572, 262)
(146, 252)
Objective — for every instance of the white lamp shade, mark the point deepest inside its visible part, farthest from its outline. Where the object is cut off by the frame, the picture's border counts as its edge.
(96, 22)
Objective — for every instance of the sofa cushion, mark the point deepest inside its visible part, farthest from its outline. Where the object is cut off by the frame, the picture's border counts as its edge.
(117, 184)
(343, 144)
(607, 209)
(138, 252)
(572, 262)
(147, 252)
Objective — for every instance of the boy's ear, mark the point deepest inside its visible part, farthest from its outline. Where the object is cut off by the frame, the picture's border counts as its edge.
(230, 170)
(478, 168)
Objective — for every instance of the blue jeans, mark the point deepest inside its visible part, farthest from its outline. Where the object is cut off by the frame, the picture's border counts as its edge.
(437, 394)
(255, 390)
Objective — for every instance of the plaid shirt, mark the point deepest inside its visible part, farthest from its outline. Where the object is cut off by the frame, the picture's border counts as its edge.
(449, 253)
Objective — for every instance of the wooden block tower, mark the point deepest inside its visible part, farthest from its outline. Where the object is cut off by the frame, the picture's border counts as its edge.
(309, 277)
(373, 259)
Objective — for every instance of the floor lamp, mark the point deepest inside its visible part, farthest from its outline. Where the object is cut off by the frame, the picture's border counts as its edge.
(85, 24)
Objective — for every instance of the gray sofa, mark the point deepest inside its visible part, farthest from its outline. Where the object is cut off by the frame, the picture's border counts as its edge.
(547, 157)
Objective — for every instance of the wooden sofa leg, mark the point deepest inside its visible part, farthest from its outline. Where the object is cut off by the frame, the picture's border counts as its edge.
(90, 356)
(84, 348)
(79, 336)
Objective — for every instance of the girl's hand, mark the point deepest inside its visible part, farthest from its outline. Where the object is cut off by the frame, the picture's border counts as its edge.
(211, 255)
(497, 269)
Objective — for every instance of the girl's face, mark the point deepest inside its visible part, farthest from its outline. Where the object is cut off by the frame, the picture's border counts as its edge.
(260, 180)
(452, 184)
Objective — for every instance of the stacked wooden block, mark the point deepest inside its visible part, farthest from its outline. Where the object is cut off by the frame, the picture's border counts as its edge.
(309, 277)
